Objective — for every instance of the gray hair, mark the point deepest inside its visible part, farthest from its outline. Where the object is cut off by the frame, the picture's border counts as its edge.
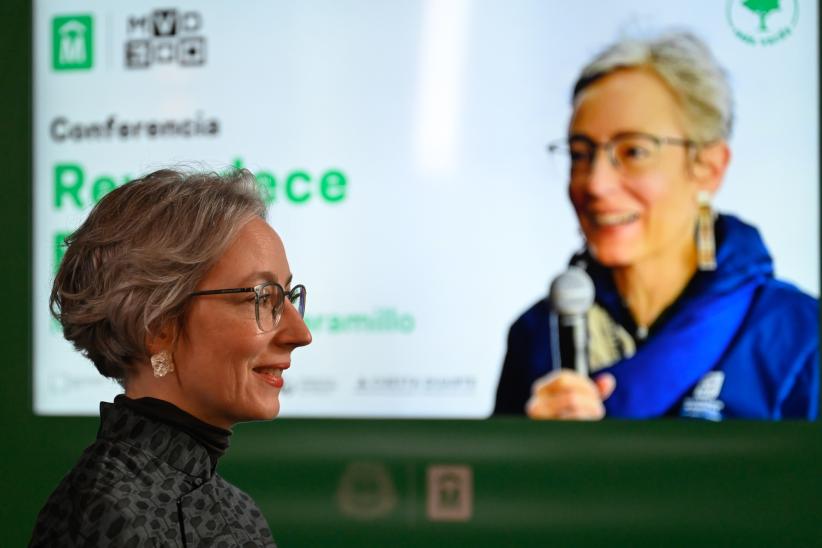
(687, 67)
(144, 247)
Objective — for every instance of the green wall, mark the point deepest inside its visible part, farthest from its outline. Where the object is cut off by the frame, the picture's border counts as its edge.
(621, 483)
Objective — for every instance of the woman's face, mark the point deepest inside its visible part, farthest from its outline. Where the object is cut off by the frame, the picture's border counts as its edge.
(629, 219)
(228, 370)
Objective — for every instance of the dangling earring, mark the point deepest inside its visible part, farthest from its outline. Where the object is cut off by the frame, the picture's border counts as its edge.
(162, 363)
(705, 238)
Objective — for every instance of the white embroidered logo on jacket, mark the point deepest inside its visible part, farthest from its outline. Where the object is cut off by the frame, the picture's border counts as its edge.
(704, 402)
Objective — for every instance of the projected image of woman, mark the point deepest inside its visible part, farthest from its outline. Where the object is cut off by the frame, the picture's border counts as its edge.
(688, 318)
(176, 287)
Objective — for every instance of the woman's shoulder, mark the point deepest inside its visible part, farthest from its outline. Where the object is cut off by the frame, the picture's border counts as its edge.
(116, 494)
(87, 506)
(780, 299)
(772, 366)
(97, 471)
(783, 323)
(781, 329)
(98, 520)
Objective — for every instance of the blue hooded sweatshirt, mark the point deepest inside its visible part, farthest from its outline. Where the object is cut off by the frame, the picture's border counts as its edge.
(737, 343)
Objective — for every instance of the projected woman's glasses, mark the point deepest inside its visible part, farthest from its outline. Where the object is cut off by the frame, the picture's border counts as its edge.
(631, 154)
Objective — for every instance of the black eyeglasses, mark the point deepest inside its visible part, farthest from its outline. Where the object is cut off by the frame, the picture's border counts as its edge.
(269, 301)
(632, 154)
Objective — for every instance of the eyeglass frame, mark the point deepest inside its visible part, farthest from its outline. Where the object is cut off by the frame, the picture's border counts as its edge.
(257, 290)
(609, 145)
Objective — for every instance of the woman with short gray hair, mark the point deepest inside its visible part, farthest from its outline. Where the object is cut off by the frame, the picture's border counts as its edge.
(177, 288)
(688, 319)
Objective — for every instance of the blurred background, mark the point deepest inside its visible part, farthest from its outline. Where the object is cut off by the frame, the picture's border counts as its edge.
(403, 147)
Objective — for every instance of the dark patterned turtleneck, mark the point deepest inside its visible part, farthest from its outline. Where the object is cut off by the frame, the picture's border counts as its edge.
(215, 440)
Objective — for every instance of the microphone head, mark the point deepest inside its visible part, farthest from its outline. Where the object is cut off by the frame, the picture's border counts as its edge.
(572, 292)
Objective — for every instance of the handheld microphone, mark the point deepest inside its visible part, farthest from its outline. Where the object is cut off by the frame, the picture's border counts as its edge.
(571, 295)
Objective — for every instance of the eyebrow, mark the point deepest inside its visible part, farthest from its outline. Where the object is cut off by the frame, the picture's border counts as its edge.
(581, 137)
(617, 135)
(265, 275)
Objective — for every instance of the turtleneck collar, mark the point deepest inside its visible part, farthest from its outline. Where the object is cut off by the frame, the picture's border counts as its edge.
(215, 440)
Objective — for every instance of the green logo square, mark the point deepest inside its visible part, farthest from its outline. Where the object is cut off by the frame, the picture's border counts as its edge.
(72, 39)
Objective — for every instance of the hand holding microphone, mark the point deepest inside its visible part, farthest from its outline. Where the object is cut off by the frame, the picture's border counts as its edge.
(568, 392)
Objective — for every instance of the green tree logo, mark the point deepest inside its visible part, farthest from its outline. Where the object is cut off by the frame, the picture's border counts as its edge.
(762, 8)
(72, 39)
(762, 22)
